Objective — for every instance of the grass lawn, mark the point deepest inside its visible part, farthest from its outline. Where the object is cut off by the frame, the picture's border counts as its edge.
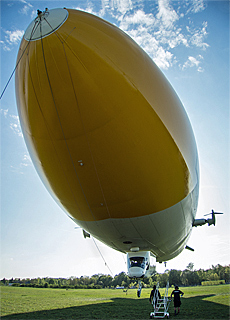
(30, 303)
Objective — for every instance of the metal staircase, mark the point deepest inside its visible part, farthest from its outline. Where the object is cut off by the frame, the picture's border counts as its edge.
(160, 306)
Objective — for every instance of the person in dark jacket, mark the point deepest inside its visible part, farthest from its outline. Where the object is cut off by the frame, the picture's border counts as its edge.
(158, 295)
(176, 293)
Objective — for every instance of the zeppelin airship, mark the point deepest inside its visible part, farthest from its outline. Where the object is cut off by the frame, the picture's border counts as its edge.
(108, 135)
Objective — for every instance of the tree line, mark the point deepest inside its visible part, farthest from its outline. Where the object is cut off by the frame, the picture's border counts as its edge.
(187, 277)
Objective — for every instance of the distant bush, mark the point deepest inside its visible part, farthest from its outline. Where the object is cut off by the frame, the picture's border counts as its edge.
(15, 284)
(212, 282)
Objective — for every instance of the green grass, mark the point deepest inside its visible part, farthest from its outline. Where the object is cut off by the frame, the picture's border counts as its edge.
(30, 303)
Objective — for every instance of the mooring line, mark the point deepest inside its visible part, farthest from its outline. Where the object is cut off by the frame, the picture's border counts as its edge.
(32, 33)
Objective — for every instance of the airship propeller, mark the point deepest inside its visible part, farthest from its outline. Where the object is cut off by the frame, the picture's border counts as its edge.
(213, 219)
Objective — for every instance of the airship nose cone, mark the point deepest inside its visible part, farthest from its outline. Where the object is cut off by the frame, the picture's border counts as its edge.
(45, 23)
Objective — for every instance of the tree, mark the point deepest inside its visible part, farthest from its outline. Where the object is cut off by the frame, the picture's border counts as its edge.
(190, 266)
(106, 281)
(163, 279)
(227, 274)
(174, 277)
(117, 281)
(189, 278)
(201, 275)
(51, 281)
(184, 277)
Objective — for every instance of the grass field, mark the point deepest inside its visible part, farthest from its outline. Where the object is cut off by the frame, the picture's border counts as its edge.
(29, 303)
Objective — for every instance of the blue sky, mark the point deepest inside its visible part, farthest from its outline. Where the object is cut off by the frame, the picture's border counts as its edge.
(189, 41)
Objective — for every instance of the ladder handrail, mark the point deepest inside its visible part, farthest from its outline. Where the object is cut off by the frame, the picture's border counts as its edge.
(155, 296)
(166, 292)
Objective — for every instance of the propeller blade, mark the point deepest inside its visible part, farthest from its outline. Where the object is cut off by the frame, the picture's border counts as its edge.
(213, 212)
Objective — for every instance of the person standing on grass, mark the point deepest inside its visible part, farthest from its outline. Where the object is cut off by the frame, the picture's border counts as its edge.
(177, 301)
(154, 293)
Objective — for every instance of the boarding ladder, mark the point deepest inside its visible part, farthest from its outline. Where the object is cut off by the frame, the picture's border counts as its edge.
(160, 305)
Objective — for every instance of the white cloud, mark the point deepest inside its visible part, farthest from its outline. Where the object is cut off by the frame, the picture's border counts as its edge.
(4, 112)
(160, 31)
(26, 157)
(26, 161)
(200, 69)
(171, 38)
(4, 46)
(198, 36)
(16, 129)
(163, 58)
(11, 38)
(198, 5)
(89, 8)
(14, 36)
(33, 14)
(195, 6)
(116, 7)
(193, 62)
(15, 125)
(141, 27)
(166, 13)
(122, 5)
(139, 17)
(24, 10)
(26, 7)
